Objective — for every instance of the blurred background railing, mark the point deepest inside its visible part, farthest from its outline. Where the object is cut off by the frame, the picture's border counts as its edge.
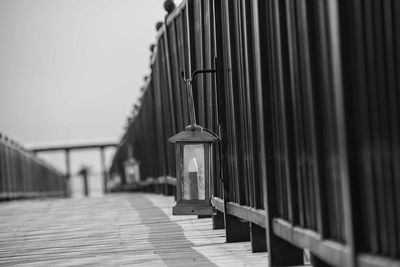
(23, 175)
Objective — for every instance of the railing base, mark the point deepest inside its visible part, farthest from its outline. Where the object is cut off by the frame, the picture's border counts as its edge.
(179, 210)
(236, 230)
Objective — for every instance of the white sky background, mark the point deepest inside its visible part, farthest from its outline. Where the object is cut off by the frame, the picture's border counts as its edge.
(70, 70)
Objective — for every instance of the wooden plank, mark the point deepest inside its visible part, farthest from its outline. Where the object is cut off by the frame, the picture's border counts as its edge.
(247, 213)
(171, 180)
(119, 229)
(218, 203)
(250, 214)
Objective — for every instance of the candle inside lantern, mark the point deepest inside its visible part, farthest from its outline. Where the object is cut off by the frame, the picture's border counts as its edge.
(193, 170)
(193, 183)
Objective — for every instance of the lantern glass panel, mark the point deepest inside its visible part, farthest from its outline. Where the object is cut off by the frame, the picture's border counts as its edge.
(193, 182)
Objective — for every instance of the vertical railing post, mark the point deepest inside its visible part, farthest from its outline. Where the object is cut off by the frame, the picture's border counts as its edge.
(67, 173)
(103, 169)
(85, 184)
(2, 169)
(84, 172)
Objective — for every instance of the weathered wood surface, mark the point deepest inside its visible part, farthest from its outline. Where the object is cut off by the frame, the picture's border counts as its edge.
(125, 229)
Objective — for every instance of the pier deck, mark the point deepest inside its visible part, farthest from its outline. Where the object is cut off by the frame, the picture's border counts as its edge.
(115, 230)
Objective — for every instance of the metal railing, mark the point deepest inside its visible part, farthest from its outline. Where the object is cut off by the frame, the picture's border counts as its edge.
(23, 175)
(307, 105)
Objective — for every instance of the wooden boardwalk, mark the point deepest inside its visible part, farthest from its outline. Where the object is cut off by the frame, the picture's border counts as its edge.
(116, 230)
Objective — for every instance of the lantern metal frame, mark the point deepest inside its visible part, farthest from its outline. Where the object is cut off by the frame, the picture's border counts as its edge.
(193, 135)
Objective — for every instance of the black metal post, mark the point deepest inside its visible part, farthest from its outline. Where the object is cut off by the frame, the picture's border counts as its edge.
(103, 169)
(67, 173)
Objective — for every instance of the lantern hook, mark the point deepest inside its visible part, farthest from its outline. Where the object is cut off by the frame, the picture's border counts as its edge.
(189, 85)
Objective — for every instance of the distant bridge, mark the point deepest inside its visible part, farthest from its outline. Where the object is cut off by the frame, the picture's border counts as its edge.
(72, 147)
(68, 148)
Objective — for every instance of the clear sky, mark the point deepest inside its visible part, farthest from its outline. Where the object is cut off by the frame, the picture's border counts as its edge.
(70, 70)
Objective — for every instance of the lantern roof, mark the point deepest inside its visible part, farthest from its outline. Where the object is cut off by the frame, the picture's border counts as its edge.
(193, 134)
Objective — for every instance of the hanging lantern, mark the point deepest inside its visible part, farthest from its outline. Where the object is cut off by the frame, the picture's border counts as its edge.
(193, 170)
(131, 171)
